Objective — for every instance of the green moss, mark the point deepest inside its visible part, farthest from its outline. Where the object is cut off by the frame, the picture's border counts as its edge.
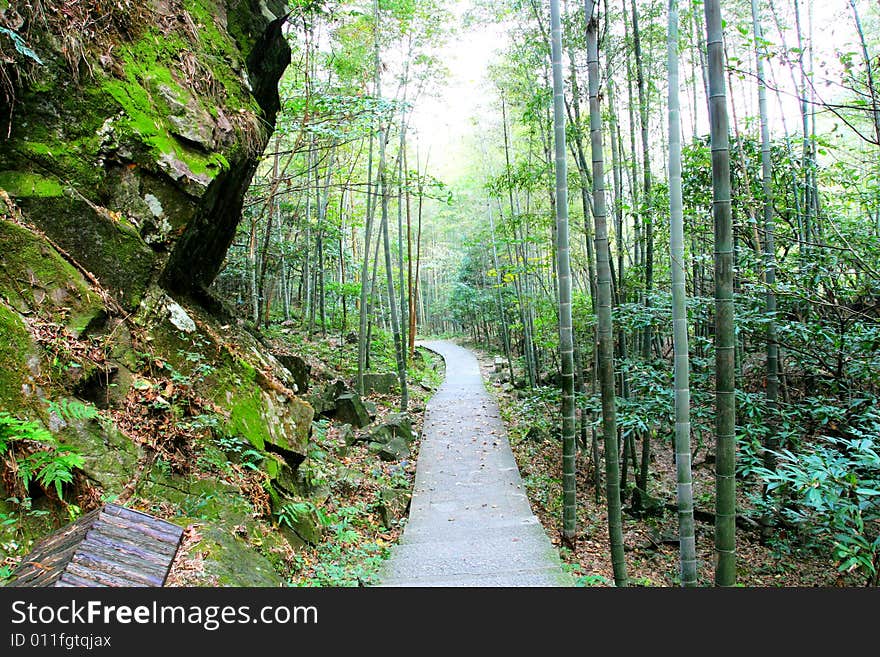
(217, 45)
(15, 344)
(246, 417)
(145, 118)
(123, 263)
(36, 148)
(25, 184)
(38, 278)
(230, 561)
(109, 456)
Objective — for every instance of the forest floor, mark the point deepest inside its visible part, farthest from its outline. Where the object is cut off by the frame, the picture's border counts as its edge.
(650, 542)
(360, 521)
(359, 501)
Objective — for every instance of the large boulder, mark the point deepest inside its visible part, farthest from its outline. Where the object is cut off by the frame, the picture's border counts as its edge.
(350, 410)
(121, 185)
(298, 368)
(132, 149)
(383, 383)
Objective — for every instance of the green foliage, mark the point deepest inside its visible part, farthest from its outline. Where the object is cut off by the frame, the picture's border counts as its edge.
(592, 580)
(51, 465)
(72, 409)
(343, 559)
(50, 468)
(292, 513)
(20, 46)
(832, 490)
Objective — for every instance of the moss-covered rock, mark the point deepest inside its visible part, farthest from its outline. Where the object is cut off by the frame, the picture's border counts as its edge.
(131, 156)
(37, 278)
(227, 560)
(110, 457)
(140, 143)
(16, 376)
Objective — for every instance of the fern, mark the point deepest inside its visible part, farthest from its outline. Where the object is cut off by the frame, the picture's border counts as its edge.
(293, 512)
(20, 45)
(71, 409)
(51, 467)
(13, 429)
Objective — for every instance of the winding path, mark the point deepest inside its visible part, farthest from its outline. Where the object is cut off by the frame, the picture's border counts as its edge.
(470, 523)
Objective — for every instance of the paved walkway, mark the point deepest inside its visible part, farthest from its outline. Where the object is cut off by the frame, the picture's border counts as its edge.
(470, 523)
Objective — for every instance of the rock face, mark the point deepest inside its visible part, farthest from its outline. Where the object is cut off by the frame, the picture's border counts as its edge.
(133, 151)
(131, 145)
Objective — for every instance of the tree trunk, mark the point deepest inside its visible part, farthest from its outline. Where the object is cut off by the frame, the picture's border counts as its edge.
(725, 341)
(646, 210)
(684, 480)
(366, 288)
(605, 329)
(566, 344)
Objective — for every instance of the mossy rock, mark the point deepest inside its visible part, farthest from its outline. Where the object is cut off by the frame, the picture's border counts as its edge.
(158, 141)
(268, 421)
(298, 520)
(110, 248)
(383, 383)
(265, 414)
(206, 498)
(349, 479)
(392, 505)
(21, 363)
(393, 425)
(230, 561)
(280, 473)
(110, 457)
(350, 410)
(394, 450)
(39, 280)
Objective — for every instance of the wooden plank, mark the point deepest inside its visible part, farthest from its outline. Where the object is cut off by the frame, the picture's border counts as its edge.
(164, 530)
(152, 533)
(98, 578)
(68, 579)
(100, 563)
(151, 550)
(110, 546)
(119, 552)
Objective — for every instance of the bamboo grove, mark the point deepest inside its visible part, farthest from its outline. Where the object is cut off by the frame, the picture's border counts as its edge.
(665, 219)
(723, 295)
(332, 234)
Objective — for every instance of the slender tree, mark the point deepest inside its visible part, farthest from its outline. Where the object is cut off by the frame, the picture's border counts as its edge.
(603, 307)
(399, 348)
(687, 543)
(772, 390)
(725, 340)
(366, 280)
(566, 344)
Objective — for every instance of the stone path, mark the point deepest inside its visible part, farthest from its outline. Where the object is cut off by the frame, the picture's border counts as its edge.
(470, 523)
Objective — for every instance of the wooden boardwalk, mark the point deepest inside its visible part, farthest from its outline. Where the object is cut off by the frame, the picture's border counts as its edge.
(110, 546)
